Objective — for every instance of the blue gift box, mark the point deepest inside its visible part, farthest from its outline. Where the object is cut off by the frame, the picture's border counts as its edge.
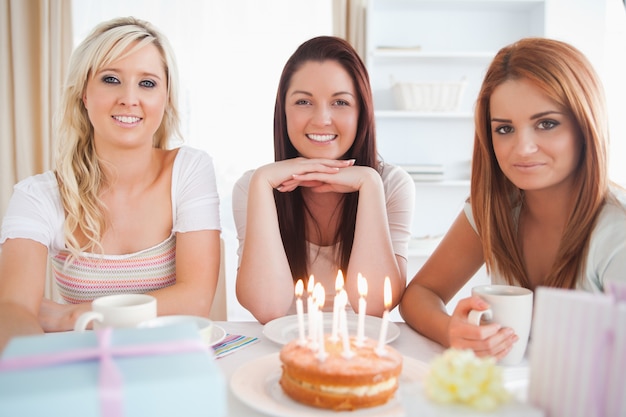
(170, 373)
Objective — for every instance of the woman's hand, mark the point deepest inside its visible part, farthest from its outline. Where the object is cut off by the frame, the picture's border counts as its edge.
(55, 317)
(287, 175)
(346, 179)
(485, 340)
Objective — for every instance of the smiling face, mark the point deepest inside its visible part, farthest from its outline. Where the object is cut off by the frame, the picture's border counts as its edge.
(534, 139)
(322, 110)
(126, 100)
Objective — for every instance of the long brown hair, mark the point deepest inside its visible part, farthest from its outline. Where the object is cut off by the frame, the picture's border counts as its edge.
(291, 207)
(565, 75)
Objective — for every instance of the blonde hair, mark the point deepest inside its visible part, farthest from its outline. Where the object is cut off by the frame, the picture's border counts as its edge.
(78, 170)
(565, 75)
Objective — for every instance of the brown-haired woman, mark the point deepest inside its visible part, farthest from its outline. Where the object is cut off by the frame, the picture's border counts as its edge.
(327, 202)
(542, 211)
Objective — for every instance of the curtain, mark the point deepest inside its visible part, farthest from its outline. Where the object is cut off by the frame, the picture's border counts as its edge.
(35, 44)
(349, 23)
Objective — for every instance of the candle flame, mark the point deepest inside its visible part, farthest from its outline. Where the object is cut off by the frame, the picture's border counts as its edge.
(310, 285)
(299, 288)
(362, 285)
(342, 299)
(339, 281)
(319, 294)
(387, 292)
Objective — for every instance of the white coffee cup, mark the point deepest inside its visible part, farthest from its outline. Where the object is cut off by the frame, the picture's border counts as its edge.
(203, 324)
(509, 306)
(121, 310)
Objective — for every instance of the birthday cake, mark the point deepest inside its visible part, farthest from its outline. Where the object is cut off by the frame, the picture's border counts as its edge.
(340, 380)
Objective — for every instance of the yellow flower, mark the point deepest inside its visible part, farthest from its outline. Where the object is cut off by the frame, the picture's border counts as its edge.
(460, 377)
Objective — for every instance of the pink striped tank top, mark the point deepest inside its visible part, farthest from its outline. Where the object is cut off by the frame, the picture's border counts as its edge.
(92, 275)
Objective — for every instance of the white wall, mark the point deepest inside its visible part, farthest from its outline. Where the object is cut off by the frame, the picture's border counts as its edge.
(598, 29)
(613, 73)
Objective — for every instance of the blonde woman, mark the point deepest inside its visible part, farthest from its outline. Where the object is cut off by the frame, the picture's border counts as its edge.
(542, 211)
(121, 213)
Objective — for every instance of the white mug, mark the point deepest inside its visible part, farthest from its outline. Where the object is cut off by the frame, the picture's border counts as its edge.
(121, 310)
(509, 306)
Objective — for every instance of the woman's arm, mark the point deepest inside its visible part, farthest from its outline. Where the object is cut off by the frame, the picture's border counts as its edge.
(22, 281)
(423, 307)
(451, 265)
(197, 270)
(196, 224)
(373, 253)
(264, 283)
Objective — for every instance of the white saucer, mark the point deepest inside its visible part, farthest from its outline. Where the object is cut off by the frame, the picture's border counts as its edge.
(285, 329)
(217, 334)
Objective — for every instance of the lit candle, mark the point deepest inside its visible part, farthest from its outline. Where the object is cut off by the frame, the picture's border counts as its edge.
(342, 301)
(362, 286)
(320, 298)
(300, 312)
(338, 287)
(310, 311)
(380, 349)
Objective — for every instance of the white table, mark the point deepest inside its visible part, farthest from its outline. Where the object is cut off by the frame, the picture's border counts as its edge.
(409, 343)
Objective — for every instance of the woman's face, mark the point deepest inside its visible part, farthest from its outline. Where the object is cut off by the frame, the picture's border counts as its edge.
(126, 100)
(534, 139)
(322, 110)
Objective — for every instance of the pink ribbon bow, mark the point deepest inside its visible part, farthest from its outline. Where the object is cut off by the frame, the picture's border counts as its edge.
(111, 380)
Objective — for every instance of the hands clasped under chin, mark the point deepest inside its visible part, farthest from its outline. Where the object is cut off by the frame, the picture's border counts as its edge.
(319, 175)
